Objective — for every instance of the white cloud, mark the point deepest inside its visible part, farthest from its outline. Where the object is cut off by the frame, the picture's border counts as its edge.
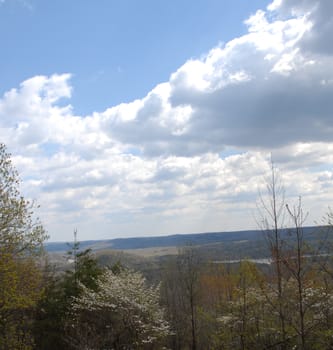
(155, 165)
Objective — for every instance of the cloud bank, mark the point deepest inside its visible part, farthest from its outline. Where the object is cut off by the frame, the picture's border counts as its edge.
(191, 155)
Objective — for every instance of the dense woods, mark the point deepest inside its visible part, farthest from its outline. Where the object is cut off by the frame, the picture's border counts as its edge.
(193, 304)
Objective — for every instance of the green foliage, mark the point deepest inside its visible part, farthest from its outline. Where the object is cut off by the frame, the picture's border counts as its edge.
(19, 232)
(21, 244)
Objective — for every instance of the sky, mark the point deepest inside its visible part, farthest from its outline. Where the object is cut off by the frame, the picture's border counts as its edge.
(145, 118)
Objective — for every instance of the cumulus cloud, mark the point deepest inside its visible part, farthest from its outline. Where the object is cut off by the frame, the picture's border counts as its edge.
(319, 15)
(191, 154)
(269, 88)
(264, 89)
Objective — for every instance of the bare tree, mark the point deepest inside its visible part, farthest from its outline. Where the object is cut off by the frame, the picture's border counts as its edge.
(271, 209)
(296, 264)
(181, 287)
(189, 266)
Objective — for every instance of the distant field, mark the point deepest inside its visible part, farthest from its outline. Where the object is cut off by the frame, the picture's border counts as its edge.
(153, 252)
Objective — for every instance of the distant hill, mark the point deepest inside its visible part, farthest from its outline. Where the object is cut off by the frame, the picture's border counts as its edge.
(177, 240)
(150, 255)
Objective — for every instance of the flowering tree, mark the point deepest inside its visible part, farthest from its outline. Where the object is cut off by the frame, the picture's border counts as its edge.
(123, 313)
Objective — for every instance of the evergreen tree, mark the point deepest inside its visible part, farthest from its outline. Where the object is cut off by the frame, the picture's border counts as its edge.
(53, 311)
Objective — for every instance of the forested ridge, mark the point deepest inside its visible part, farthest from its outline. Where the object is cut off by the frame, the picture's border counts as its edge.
(193, 303)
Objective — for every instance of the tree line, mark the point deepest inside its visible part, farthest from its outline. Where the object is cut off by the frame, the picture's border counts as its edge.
(197, 304)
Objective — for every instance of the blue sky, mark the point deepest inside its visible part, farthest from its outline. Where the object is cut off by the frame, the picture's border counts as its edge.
(147, 118)
(117, 51)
